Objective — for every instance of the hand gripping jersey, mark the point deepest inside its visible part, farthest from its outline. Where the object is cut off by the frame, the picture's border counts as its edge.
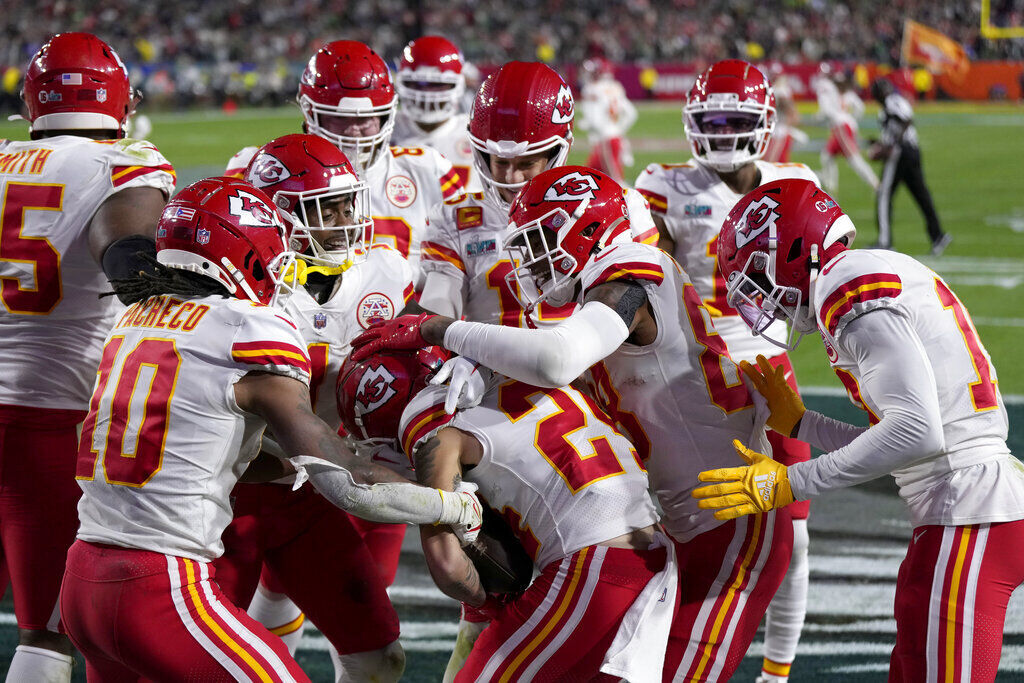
(370, 291)
(680, 399)
(693, 201)
(949, 488)
(165, 442)
(464, 241)
(52, 322)
(582, 482)
(451, 139)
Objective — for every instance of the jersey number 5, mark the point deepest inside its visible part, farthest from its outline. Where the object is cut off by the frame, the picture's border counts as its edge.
(45, 293)
(128, 422)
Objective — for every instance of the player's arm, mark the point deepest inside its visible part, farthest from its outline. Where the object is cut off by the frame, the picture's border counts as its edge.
(443, 294)
(895, 372)
(438, 465)
(123, 226)
(665, 241)
(266, 468)
(555, 356)
(358, 486)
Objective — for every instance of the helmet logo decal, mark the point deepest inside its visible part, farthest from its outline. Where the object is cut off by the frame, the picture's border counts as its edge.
(574, 187)
(268, 170)
(563, 111)
(101, 95)
(374, 389)
(251, 210)
(756, 218)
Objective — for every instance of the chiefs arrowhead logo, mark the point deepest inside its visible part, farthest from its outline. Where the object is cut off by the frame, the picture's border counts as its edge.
(251, 210)
(758, 217)
(374, 390)
(574, 187)
(563, 111)
(268, 170)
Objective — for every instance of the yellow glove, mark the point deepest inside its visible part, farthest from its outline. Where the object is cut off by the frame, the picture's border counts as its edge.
(761, 486)
(784, 403)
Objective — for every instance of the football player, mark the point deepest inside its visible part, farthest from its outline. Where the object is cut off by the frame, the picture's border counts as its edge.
(660, 369)
(190, 375)
(78, 203)
(907, 352)
(308, 544)
(607, 117)
(577, 501)
(840, 109)
(730, 119)
(430, 85)
(521, 125)
(347, 97)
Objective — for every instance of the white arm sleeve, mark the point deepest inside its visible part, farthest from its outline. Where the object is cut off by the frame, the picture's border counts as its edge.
(825, 432)
(551, 357)
(443, 294)
(394, 503)
(895, 373)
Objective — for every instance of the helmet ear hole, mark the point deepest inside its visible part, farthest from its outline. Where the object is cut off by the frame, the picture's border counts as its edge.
(795, 250)
(589, 230)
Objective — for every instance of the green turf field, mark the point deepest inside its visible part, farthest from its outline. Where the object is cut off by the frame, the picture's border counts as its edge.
(858, 536)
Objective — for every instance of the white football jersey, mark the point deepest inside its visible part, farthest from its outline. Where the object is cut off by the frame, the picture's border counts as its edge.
(451, 139)
(368, 292)
(941, 489)
(165, 441)
(53, 323)
(680, 399)
(607, 112)
(694, 201)
(405, 183)
(464, 241)
(580, 484)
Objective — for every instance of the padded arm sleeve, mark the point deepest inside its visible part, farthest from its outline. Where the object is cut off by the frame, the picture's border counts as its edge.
(551, 357)
(443, 294)
(895, 373)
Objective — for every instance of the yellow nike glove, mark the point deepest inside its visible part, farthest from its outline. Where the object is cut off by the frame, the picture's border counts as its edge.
(761, 486)
(784, 403)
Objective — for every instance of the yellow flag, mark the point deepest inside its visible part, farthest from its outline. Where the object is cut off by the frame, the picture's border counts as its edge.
(935, 51)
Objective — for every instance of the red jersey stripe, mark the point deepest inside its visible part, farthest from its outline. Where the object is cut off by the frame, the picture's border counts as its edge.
(858, 290)
(631, 270)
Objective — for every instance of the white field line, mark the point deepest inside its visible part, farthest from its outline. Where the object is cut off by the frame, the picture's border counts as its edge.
(1008, 399)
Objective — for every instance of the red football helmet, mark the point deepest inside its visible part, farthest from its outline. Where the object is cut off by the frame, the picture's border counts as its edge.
(729, 115)
(430, 82)
(596, 68)
(771, 249)
(228, 230)
(346, 79)
(306, 175)
(77, 82)
(373, 392)
(522, 108)
(558, 220)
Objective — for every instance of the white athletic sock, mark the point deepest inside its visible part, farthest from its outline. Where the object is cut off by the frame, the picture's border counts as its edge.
(39, 665)
(280, 615)
(378, 666)
(788, 608)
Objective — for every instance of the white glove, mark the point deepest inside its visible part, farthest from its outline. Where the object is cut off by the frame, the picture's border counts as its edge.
(464, 507)
(466, 384)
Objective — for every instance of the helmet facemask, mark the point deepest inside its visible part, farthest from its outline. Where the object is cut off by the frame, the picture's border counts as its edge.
(362, 151)
(430, 96)
(557, 148)
(318, 215)
(542, 269)
(728, 135)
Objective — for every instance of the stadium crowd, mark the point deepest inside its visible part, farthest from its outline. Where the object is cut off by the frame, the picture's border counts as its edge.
(200, 52)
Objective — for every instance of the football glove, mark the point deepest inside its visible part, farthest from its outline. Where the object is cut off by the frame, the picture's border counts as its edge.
(784, 403)
(465, 509)
(466, 384)
(760, 486)
(402, 333)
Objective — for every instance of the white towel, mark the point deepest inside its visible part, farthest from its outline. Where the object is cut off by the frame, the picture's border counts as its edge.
(637, 654)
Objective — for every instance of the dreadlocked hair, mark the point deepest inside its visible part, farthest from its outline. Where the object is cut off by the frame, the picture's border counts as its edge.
(163, 279)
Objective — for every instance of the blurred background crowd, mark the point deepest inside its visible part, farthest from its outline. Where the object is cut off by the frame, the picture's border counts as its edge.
(189, 52)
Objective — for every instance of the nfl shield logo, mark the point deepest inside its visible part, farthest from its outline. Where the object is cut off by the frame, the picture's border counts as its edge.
(202, 236)
(320, 320)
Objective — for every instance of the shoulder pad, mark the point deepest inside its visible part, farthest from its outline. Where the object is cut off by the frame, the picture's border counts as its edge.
(423, 417)
(851, 285)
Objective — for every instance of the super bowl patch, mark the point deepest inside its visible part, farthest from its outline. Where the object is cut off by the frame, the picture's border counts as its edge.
(374, 308)
(697, 210)
(481, 247)
(401, 191)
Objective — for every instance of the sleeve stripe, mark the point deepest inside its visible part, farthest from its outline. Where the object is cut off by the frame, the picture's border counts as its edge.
(269, 353)
(650, 237)
(451, 183)
(858, 290)
(407, 294)
(425, 422)
(119, 175)
(657, 201)
(633, 270)
(431, 251)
